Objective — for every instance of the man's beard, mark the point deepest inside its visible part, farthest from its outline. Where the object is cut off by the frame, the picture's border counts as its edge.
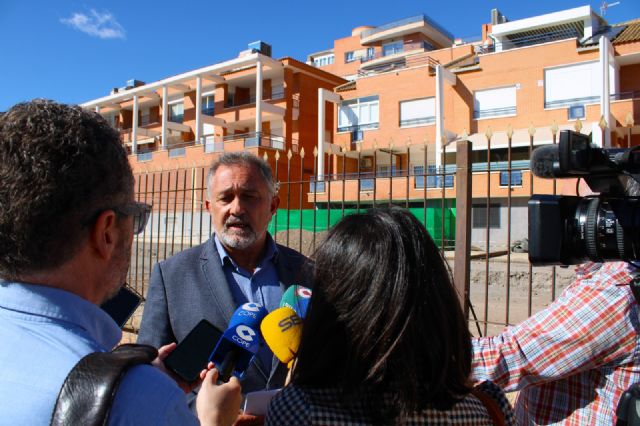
(237, 238)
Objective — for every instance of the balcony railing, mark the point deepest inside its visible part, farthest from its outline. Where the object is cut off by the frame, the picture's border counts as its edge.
(494, 112)
(276, 93)
(435, 178)
(401, 62)
(529, 40)
(408, 47)
(591, 99)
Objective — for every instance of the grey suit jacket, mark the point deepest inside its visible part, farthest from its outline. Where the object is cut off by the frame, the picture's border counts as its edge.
(191, 286)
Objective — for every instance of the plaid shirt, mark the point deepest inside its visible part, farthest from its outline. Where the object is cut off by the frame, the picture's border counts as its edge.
(297, 405)
(573, 360)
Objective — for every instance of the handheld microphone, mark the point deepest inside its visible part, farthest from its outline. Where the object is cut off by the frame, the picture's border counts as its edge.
(281, 330)
(240, 342)
(297, 298)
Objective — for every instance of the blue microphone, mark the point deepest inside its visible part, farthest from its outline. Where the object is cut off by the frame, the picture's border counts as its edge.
(297, 298)
(240, 342)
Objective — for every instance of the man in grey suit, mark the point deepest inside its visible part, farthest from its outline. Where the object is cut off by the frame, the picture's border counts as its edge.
(240, 263)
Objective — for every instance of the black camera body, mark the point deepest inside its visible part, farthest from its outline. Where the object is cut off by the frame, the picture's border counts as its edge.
(568, 230)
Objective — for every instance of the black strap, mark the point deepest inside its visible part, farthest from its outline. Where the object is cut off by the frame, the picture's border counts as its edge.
(635, 288)
(87, 393)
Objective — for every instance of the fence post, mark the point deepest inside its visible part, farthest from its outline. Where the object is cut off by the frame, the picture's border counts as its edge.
(462, 259)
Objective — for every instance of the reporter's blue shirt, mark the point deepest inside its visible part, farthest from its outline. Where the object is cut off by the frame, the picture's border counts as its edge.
(44, 332)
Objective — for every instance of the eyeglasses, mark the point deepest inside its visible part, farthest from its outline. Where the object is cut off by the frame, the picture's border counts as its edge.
(139, 211)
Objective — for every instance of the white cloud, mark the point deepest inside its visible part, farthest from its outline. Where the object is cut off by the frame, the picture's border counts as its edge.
(103, 25)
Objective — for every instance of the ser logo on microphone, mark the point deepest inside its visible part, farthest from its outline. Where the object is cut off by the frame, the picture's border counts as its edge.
(291, 321)
(244, 335)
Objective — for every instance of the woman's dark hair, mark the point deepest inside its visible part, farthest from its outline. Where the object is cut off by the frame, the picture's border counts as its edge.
(384, 315)
(59, 165)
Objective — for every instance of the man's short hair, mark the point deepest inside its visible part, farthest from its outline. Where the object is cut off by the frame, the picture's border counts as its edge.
(59, 166)
(242, 158)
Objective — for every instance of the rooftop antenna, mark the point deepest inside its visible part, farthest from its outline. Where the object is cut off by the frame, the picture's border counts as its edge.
(605, 6)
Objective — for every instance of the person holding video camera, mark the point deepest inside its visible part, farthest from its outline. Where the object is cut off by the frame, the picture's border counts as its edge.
(572, 361)
(67, 220)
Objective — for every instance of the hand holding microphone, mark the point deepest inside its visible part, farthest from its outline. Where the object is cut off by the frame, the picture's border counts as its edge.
(240, 342)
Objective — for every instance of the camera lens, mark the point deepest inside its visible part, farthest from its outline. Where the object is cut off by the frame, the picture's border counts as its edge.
(606, 228)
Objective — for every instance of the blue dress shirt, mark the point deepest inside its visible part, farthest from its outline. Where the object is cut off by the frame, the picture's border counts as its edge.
(263, 286)
(44, 332)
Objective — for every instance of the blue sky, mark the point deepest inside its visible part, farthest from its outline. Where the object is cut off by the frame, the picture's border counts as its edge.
(74, 51)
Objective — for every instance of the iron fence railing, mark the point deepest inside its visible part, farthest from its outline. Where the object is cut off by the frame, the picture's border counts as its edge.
(476, 213)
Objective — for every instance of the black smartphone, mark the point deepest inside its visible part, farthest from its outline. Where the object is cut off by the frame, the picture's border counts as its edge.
(192, 354)
(122, 305)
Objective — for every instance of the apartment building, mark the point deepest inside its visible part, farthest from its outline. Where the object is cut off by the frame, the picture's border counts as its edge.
(414, 90)
(253, 102)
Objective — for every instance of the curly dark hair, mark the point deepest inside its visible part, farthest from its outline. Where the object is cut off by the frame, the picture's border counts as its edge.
(59, 165)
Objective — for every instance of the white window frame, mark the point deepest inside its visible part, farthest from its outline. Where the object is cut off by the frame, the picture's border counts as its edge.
(393, 45)
(418, 112)
(170, 106)
(498, 102)
(573, 84)
(204, 96)
(360, 114)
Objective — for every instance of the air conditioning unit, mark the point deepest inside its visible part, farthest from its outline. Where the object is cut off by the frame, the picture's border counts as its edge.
(366, 162)
(576, 111)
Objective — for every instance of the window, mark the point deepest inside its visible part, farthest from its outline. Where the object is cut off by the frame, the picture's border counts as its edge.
(277, 91)
(434, 178)
(176, 112)
(349, 57)
(494, 102)
(370, 52)
(573, 84)
(145, 116)
(323, 60)
(358, 114)
(417, 112)
(208, 105)
(516, 178)
(479, 213)
(392, 48)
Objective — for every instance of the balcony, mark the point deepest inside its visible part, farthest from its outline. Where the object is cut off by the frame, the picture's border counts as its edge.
(407, 48)
(277, 92)
(244, 141)
(411, 59)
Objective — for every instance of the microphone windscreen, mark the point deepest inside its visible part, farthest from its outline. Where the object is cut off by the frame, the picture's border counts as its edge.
(281, 330)
(542, 161)
(297, 298)
(249, 314)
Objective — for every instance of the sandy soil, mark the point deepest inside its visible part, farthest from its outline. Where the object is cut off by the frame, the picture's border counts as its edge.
(497, 299)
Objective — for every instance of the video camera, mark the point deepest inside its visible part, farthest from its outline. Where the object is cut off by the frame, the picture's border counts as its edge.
(568, 230)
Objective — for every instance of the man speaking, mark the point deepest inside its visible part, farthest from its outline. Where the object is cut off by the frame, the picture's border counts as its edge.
(240, 263)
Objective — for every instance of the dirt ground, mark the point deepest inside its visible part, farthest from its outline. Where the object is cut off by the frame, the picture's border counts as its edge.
(497, 299)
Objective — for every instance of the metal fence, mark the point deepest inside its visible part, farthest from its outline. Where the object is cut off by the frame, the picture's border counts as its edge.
(457, 202)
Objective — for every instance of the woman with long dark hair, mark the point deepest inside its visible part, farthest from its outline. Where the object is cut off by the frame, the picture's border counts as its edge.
(385, 340)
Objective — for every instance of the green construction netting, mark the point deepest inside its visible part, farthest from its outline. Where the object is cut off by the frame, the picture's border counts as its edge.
(316, 220)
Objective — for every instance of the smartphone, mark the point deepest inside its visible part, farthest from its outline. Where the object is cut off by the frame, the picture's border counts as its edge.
(122, 305)
(191, 355)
